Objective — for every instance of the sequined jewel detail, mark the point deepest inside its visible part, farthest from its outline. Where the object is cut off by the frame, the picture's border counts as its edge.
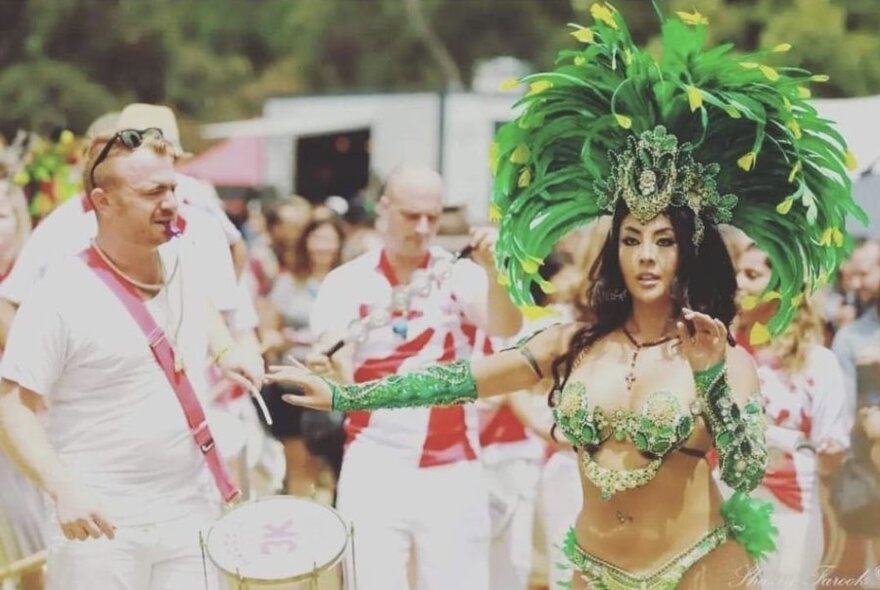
(612, 481)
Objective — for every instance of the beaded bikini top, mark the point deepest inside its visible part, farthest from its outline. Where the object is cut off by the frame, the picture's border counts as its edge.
(660, 427)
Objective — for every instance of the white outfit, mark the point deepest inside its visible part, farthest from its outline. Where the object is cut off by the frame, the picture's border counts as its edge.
(802, 411)
(203, 195)
(410, 477)
(70, 228)
(561, 498)
(513, 458)
(115, 421)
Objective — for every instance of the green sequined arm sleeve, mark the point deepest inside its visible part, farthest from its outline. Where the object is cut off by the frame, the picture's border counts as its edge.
(738, 432)
(437, 385)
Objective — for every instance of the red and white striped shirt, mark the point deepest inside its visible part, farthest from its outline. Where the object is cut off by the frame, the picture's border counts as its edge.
(438, 328)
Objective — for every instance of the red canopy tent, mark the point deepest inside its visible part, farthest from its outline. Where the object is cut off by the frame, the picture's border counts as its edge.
(238, 161)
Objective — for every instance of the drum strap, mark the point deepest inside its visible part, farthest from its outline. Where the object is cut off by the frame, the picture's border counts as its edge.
(164, 354)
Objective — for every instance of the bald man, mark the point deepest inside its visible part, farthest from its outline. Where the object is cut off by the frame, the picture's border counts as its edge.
(411, 482)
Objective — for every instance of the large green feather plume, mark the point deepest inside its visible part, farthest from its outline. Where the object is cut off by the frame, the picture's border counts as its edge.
(786, 165)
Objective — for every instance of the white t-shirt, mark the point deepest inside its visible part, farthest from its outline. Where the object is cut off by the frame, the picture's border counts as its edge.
(440, 327)
(112, 416)
(203, 195)
(811, 404)
(71, 226)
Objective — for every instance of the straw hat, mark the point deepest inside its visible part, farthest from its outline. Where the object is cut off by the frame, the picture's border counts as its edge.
(141, 115)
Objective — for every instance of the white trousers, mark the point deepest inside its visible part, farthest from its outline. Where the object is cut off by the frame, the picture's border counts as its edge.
(438, 514)
(560, 500)
(799, 546)
(513, 489)
(161, 556)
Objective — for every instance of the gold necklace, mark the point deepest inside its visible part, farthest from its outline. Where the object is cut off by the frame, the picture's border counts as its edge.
(132, 280)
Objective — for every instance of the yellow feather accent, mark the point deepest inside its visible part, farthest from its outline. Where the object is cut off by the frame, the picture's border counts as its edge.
(797, 300)
(804, 92)
(520, 155)
(749, 302)
(733, 113)
(769, 73)
(580, 60)
(849, 160)
(693, 19)
(531, 265)
(602, 13)
(623, 121)
(782, 48)
(584, 35)
(784, 207)
(795, 128)
(546, 286)
(798, 166)
(695, 99)
(539, 86)
(503, 280)
(494, 213)
(759, 334)
(747, 162)
(525, 178)
(509, 84)
(820, 78)
(770, 296)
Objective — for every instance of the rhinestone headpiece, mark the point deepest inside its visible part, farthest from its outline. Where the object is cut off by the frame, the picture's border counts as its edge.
(654, 173)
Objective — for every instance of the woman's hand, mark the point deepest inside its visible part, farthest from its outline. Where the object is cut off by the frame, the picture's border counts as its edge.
(316, 393)
(708, 345)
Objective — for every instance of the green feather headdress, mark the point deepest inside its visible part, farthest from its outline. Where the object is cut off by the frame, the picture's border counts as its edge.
(757, 154)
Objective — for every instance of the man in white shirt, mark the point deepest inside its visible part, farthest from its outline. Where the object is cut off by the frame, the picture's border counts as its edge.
(130, 485)
(411, 481)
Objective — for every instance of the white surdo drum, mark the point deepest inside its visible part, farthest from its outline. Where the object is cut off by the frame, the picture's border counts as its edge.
(280, 543)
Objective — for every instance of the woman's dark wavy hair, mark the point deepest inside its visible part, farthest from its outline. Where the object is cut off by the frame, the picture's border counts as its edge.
(705, 281)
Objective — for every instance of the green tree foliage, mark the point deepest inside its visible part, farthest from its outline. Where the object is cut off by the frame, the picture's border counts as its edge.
(63, 62)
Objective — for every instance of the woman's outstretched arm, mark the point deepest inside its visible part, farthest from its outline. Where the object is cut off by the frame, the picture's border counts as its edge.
(516, 368)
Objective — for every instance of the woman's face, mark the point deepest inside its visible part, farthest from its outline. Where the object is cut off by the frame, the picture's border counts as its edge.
(8, 220)
(648, 254)
(323, 246)
(752, 278)
(752, 274)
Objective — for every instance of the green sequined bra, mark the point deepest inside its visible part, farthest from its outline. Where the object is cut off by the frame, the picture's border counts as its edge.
(658, 429)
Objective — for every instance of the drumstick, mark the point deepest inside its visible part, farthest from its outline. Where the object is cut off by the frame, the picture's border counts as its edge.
(461, 254)
(255, 393)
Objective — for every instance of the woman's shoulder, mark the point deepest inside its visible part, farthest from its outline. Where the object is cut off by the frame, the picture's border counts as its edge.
(821, 359)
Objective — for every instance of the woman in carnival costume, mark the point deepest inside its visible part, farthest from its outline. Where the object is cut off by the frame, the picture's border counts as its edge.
(670, 149)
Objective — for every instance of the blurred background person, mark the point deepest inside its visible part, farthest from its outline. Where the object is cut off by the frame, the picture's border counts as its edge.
(317, 251)
(22, 508)
(808, 420)
(858, 285)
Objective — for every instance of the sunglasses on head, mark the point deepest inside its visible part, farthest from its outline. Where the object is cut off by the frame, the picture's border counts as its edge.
(130, 138)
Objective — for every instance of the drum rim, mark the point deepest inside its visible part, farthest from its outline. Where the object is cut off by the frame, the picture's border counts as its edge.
(319, 569)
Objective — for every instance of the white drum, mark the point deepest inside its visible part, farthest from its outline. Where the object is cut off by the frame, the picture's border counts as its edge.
(280, 543)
